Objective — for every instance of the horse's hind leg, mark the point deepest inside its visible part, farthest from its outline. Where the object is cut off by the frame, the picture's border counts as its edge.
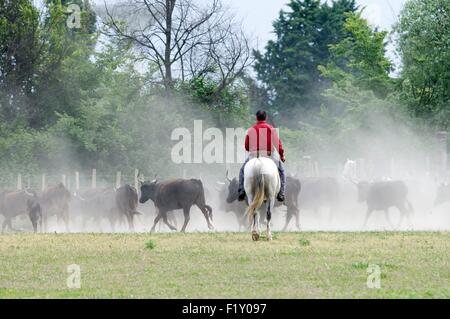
(253, 221)
(255, 230)
(269, 217)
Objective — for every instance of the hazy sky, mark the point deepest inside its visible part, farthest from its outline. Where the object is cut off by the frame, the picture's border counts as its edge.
(258, 15)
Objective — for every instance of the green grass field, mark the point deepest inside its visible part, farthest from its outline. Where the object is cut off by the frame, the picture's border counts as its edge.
(225, 265)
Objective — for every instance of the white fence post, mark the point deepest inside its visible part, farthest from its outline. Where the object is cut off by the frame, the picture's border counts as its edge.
(63, 179)
(77, 181)
(19, 181)
(118, 179)
(43, 185)
(94, 178)
(136, 172)
(28, 183)
(316, 169)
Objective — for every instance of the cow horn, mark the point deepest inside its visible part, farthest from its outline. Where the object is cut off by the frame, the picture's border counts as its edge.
(228, 179)
(28, 193)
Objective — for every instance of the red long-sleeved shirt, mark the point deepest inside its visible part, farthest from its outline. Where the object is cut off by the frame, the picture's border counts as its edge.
(263, 137)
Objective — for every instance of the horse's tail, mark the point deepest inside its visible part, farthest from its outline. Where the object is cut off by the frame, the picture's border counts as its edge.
(258, 199)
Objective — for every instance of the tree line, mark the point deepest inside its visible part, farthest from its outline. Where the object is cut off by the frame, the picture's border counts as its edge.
(107, 94)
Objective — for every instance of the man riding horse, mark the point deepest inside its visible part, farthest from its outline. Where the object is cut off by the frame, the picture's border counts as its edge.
(261, 140)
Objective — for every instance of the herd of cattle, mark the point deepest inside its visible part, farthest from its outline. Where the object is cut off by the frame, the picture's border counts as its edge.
(118, 205)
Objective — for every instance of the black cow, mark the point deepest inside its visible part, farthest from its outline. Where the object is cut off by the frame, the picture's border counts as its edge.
(55, 201)
(20, 202)
(97, 204)
(443, 194)
(293, 188)
(176, 194)
(293, 191)
(319, 192)
(127, 202)
(380, 196)
(236, 207)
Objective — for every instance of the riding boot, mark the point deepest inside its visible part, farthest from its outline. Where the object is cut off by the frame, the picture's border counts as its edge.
(281, 196)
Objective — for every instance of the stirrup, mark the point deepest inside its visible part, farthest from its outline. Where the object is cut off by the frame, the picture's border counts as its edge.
(241, 195)
(281, 197)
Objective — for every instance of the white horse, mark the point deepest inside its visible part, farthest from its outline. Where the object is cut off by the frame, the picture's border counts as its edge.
(262, 183)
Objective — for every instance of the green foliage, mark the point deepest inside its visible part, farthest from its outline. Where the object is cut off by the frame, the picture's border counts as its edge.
(150, 245)
(304, 242)
(360, 58)
(37, 52)
(229, 108)
(71, 101)
(288, 67)
(424, 46)
(19, 57)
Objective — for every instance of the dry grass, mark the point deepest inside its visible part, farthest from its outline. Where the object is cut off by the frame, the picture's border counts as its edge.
(225, 265)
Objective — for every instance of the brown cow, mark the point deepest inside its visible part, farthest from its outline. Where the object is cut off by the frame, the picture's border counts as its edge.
(127, 202)
(55, 201)
(20, 202)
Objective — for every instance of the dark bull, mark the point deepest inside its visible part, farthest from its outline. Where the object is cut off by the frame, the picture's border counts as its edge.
(97, 204)
(127, 202)
(380, 196)
(176, 194)
(55, 201)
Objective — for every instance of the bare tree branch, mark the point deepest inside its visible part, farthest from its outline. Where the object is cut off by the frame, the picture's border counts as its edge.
(182, 36)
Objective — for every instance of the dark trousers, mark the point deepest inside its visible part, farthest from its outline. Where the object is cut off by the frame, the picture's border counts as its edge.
(280, 171)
